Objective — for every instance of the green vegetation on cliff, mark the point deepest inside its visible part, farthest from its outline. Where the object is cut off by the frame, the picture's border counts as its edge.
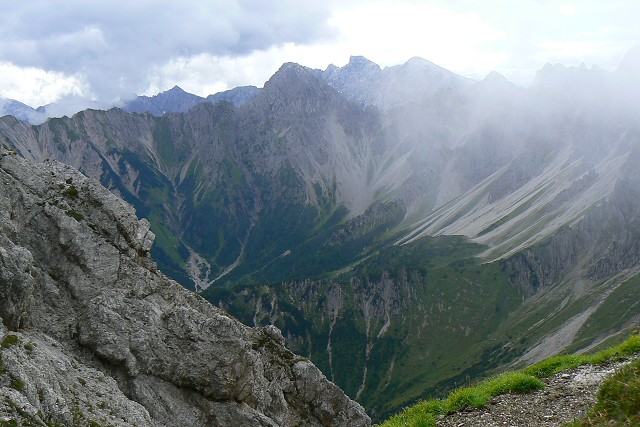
(404, 323)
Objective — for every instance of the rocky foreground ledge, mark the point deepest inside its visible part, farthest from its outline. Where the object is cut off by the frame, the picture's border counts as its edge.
(92, 334)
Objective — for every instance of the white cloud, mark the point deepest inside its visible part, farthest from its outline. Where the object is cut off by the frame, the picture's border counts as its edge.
(206, 74)
(392, 32)
(36, 87)
(571, 51)
(456, 41)
(567, 10)
(113, 46)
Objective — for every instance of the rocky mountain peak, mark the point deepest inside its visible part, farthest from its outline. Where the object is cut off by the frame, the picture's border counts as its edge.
(238, 96)
(355, 79)
(495, 85)
(176, 89)
(172, 100)
(496, 78)
(359, 63)
(558, 76)
(299, 85)
(423, 72)
(289, 72)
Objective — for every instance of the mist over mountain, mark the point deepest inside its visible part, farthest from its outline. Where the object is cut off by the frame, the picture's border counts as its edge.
(405, 227)
(20, 111)
(416, 81)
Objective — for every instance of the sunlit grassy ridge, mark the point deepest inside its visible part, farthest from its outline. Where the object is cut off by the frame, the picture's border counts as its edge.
(424, 413)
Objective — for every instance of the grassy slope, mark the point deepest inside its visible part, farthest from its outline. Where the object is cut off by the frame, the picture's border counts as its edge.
(612, 303)
(613, 401)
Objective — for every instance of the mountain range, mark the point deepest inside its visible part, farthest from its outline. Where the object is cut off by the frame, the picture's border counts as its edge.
(174, 100)
(406, 228)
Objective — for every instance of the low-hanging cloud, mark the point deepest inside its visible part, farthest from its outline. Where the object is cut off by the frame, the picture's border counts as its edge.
(112, 46)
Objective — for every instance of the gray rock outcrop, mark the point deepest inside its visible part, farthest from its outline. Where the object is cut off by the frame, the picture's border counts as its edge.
(93, 334)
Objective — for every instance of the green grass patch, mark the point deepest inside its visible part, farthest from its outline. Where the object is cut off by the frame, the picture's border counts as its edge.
(71, 192)
(17, 384)
(619, 397)
(426, 253)
(28, 347)
(553, 365)
(75, 215)
(414, 416)
(478, 396)
(424, 413)
(9, 340)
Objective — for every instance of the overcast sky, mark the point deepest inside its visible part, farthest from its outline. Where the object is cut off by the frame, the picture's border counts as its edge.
(110, 50)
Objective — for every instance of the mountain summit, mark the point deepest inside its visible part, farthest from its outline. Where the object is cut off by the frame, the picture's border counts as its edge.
(172, 100)
(366, 83)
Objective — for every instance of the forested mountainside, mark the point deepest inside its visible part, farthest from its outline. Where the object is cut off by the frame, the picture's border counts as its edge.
(406, 228)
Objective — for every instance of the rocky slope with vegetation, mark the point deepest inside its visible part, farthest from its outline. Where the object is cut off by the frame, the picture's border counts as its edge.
(568, 390)
(406, 229)
(93, 334)
(567, 396)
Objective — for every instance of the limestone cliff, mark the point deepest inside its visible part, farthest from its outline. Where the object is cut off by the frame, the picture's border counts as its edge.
(93, 334)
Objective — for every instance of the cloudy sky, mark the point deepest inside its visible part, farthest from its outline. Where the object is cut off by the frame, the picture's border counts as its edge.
(110, 50)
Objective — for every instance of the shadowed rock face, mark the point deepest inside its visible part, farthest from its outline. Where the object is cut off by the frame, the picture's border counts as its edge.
(93, 332)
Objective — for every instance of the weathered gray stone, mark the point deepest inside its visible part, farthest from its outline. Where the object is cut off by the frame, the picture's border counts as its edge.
(98, 334)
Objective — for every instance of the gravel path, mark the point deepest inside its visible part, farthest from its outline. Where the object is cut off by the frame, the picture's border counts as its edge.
(567, 395)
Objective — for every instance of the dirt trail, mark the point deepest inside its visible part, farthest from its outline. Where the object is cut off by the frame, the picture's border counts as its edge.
(568, 395)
